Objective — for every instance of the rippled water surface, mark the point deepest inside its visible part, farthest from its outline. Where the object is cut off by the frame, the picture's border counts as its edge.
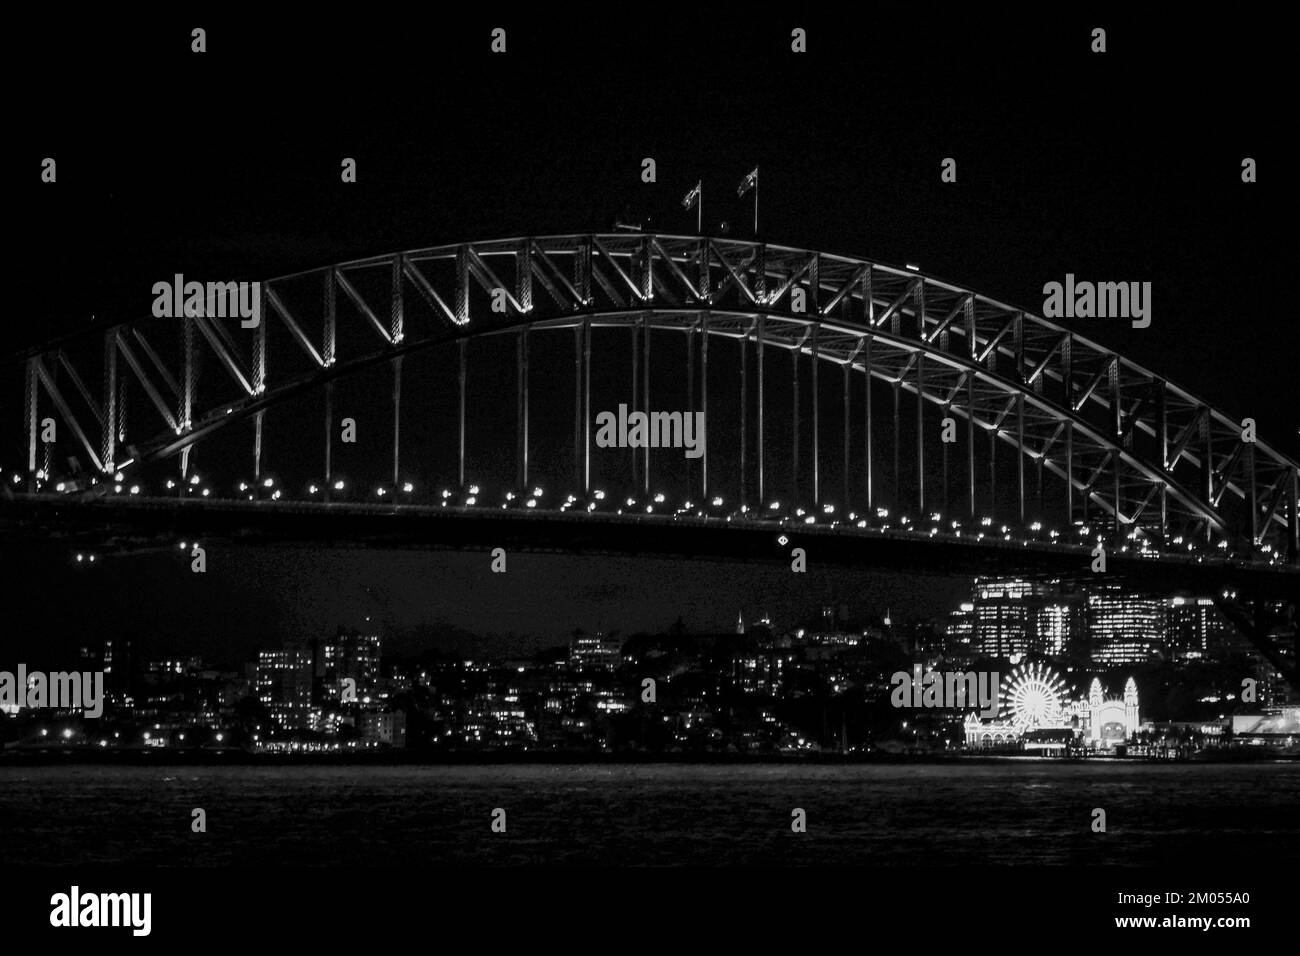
(970, 813)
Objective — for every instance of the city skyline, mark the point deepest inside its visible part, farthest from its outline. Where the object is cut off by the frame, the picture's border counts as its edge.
(413, 629)
(357, 585)
(343, 692)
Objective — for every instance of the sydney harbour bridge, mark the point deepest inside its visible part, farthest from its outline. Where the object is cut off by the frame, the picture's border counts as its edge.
(866, 413)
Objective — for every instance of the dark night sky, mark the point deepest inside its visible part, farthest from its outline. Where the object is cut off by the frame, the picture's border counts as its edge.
(1123, 166)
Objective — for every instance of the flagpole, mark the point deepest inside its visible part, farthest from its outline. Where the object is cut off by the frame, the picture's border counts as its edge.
(750, 182)
(696, 197)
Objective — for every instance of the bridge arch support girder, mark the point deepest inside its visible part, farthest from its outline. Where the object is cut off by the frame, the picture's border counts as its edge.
(945, 386)
(948, 382)
(397, 303)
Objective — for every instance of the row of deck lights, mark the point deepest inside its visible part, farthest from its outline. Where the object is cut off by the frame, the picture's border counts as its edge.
(630, 505)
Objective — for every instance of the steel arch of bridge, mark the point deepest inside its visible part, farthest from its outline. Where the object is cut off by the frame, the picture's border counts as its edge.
(1140, 449)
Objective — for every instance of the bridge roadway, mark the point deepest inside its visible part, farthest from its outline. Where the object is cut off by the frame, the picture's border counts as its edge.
(127, 524)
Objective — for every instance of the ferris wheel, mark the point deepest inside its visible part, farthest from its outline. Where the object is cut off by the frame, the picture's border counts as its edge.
(1035, 697)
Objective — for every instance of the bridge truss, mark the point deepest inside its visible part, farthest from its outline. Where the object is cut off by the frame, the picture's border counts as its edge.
(1166, 470)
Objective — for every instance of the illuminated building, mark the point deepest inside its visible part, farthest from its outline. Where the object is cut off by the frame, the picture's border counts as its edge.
(498, 720)
(347, 655)
(1055, 623)
(834, 628)
(1274, 689)
(1196, 629)
(386, 729)
(1279, 727)
(1010, 616)
(597, 652)
(117, 663)
(173, 667)
(1124, 629)
(122, 656)
(1110, 720)
(284, 682)
(1034, 699)
(1036, 715)
(759, 673)
(1002, 616)
(960, 630)
(989, 734)
(610, 701)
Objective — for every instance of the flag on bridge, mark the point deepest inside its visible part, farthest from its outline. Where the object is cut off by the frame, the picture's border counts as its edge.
(695, 198)
(751, 182)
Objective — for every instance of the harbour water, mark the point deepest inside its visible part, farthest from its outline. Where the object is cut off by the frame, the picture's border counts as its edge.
(969, 813)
